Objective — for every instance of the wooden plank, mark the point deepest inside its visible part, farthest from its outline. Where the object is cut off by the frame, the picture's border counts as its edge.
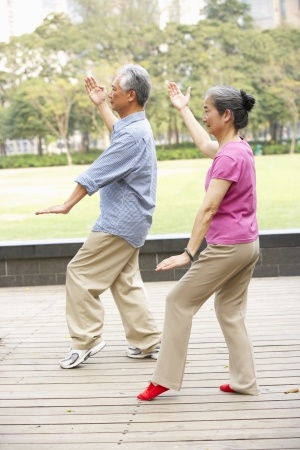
(45, 407)
(155, 408)
(257, 444)
(155, 421)
(91, 434)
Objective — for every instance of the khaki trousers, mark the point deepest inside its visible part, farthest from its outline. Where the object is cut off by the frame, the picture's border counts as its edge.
(107, 261)
(225, 271)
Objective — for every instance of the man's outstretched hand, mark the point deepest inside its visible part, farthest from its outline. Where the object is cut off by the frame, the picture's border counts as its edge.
(58, 209)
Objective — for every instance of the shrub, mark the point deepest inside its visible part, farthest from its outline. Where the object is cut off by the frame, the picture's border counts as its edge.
(164, 152)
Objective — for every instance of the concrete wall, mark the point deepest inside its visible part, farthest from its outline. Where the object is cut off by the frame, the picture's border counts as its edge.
(35, 263)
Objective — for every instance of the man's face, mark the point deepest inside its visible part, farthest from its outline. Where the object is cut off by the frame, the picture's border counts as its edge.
(119, 99)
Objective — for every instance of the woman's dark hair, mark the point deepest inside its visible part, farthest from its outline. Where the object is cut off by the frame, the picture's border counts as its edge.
(237, 101)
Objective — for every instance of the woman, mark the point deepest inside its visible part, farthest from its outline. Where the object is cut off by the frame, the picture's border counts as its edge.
(227, 219)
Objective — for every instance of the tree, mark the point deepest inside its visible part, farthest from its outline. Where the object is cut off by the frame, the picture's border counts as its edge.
(3, 130)
(126, 24)
(228, 11)
(54, 101)
(22, 118)
(278, 81)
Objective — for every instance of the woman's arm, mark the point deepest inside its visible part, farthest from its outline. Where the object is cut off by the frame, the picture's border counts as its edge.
(214, 195)
(199, 135)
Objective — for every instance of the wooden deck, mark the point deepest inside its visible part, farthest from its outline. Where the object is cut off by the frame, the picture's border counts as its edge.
(94, 407)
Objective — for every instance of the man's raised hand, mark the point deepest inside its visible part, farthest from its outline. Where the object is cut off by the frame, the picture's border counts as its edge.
(96, 92)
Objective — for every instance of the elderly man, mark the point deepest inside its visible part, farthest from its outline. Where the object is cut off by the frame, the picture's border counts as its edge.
(125, 176)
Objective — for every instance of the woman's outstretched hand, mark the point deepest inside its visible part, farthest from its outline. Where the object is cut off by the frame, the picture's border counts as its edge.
(176, 96)
(173, 262)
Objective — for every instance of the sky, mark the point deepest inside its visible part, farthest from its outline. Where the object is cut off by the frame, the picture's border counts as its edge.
(189, 11)
(28, 14)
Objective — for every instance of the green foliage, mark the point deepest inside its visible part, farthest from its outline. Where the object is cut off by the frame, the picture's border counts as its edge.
(21, 161)
(183, 151)
(279, 149)
(42, 80)
(230, 11)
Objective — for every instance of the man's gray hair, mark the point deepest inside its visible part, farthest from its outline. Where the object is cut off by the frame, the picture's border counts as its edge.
(135, 77)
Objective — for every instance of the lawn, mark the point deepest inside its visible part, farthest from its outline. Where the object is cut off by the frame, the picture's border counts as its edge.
(180, 193)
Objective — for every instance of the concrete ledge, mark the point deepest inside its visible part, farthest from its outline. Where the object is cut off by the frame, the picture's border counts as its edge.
(34, 263)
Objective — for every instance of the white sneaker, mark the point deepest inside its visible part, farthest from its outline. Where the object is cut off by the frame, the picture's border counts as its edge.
(136, 353)
(76, 357)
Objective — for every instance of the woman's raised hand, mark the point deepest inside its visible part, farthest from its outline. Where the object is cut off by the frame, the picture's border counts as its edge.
(176, 96)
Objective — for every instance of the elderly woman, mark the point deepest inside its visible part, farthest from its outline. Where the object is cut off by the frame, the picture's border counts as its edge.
(227, 220)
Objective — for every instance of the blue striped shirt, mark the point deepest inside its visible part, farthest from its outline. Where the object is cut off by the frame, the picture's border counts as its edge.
(126, 177)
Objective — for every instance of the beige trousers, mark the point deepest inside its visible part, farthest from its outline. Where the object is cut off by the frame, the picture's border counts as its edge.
(225, 271)
(107, 261)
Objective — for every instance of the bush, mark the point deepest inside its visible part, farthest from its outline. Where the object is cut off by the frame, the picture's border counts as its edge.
(181, 151)
(279, 149)
(86, 158)
(19, 161)
(164, 152)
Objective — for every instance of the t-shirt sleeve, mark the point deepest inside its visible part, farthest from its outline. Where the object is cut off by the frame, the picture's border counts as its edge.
(225, 168)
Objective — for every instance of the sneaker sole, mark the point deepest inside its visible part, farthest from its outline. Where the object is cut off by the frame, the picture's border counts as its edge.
(143, 356)
(83, 358)
(96, 349)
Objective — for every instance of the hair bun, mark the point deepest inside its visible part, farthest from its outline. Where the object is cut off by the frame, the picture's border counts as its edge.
(247, 100)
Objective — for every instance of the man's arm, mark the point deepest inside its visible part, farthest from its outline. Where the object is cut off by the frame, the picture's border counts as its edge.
(78, 194)
(97, 95)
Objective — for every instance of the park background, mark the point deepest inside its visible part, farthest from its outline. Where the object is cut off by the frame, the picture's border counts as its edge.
(50, 131)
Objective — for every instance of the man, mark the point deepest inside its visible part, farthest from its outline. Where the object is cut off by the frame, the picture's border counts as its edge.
(125, 175)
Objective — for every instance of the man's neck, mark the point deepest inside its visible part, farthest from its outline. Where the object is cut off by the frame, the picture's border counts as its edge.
(129, 111)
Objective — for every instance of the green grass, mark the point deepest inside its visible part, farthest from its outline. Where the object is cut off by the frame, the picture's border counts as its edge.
(180, 193)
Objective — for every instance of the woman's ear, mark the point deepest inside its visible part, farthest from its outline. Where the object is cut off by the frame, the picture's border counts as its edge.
(228, 115)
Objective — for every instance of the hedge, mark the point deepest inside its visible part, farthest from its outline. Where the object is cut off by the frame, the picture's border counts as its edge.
(181, 151)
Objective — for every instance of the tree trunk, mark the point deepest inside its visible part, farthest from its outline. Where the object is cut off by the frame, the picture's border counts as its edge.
(3, 149)
(85, 142)
(68, 154)
(274, 132)
(40, 146)
(294, 133)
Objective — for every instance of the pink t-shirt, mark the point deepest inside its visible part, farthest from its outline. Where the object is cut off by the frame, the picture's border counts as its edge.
(235, 221)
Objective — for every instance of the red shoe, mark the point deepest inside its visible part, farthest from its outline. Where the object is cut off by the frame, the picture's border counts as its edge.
(226, 388)
(151, 392)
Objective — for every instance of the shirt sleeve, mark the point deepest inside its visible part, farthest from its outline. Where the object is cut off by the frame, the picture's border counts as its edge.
(115, 163)
(226, 168)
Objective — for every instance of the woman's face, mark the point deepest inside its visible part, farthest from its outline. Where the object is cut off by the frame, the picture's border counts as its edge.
(212, 118)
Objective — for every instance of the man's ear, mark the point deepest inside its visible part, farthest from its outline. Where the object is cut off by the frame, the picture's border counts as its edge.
(131, 95)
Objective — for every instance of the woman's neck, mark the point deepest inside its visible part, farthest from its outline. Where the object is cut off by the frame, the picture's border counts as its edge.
(231, 136)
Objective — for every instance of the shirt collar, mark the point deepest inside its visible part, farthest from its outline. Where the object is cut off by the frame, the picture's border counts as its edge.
(120, 124)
